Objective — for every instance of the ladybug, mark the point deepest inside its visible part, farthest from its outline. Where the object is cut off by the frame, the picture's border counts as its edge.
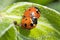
(32, 12)
(28, 23)
(30, 18)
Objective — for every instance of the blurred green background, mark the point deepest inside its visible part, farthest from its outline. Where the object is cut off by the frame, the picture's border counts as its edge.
(55, 4)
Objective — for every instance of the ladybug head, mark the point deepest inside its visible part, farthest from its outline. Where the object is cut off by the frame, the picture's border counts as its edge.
(34, 19)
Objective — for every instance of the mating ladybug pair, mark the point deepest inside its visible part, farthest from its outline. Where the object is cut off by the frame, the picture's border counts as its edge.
(30, 18)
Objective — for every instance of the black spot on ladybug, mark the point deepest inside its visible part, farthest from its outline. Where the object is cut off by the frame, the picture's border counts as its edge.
(37, 12)
(31, 24)
(26, 19)
(23, 16)
(34, 20)
(29, 9)
(25, 25)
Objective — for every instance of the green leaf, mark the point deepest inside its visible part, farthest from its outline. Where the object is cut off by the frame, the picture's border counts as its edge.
(9, 35)
(48, 27)
(7, 29)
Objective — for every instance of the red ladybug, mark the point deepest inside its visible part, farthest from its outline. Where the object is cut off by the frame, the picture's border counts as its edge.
(32, 12)
(28, 23)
